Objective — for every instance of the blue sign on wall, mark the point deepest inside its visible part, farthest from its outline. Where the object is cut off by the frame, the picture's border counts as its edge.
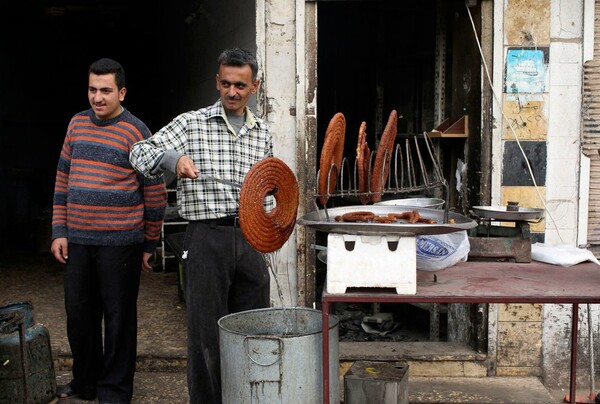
(526, 70)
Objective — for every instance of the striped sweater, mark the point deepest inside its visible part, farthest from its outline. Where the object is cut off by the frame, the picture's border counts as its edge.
(98, 197)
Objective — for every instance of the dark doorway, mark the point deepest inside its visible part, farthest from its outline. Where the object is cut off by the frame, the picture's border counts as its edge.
(46, 50)
(376, 56)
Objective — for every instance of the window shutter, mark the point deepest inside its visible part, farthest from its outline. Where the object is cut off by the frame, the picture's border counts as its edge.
(591, 133)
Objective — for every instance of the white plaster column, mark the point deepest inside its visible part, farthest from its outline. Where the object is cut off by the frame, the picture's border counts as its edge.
(276, 50)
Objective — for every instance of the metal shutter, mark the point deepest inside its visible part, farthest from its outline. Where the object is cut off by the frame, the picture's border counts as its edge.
(591, 133)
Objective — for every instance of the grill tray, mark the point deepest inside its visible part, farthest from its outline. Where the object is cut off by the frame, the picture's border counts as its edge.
(319, 221)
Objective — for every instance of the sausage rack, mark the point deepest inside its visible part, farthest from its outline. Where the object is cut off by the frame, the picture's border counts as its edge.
(413, 168)
(373, 255)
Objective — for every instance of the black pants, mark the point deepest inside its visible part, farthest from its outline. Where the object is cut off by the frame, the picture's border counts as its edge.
(223, 275)
(103, 283)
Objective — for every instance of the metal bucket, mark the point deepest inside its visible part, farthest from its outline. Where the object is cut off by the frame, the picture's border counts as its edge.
(275, 356)
(26, 366)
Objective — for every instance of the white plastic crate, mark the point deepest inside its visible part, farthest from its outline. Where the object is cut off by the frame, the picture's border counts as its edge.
(371, 261)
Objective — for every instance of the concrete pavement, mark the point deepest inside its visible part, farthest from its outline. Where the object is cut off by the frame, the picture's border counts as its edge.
(161, 377)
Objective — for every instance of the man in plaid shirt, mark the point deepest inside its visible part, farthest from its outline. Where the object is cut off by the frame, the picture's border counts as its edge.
(223, 273)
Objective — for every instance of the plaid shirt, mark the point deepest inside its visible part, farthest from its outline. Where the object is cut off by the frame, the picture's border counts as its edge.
(209, 140)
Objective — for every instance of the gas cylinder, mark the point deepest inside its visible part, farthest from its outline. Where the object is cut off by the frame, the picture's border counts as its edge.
(26, 366)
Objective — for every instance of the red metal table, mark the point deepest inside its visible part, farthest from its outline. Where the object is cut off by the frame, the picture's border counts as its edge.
(487, 282)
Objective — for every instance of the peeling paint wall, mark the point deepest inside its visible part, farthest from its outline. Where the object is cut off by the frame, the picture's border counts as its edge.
(524, 339)
(519, 340)
(542, 111)
(564, 148)
(280, 39)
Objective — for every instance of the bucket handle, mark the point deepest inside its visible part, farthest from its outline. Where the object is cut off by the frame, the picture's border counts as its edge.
(263, 337)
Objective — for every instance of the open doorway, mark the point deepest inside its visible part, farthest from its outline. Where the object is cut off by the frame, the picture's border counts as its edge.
(420, 59)
(168, 51)
(46, 52)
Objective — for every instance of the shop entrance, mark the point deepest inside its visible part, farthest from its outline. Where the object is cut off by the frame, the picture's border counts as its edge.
(421, 59)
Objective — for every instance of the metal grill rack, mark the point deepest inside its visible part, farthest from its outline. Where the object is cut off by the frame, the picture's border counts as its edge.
(413, 168)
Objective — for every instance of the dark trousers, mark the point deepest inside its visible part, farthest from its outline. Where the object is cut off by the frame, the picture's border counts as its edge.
(223, 275)
(103, 283)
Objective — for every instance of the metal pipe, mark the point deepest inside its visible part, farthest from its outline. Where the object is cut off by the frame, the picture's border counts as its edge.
(573, 376)
(591, 348)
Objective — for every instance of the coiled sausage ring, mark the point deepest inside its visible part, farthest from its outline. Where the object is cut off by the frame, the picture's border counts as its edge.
(332, 155)
(268, 231)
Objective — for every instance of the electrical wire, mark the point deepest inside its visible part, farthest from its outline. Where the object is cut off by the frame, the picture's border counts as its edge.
(510, 124)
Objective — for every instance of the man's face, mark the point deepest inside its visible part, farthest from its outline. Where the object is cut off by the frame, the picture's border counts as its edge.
(235, 86)
(104, 96)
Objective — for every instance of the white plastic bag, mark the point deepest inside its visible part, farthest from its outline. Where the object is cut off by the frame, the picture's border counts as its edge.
(561, 254)
(438, 251)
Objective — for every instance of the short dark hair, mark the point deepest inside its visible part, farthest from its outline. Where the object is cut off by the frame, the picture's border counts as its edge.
(239, 57)
(108, 66)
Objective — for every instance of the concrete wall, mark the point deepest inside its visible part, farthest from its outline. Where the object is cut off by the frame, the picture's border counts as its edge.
(527, 339)
(546, 120)
(564, 151)
(278, 45)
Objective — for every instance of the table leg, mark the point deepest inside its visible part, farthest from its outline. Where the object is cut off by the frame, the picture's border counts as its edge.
(325, 359)
(573, 376)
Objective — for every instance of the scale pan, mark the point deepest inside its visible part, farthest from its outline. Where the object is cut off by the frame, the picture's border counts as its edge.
(500, 213)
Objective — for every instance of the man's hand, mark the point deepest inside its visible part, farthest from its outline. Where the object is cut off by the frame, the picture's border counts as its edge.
(186, 168)
(60, 249)
(146, 267)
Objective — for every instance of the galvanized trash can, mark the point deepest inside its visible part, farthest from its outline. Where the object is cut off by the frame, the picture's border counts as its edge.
(275, 356)
(26, 365)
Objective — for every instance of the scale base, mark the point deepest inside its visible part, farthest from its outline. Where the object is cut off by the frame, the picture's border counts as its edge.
(516, 249)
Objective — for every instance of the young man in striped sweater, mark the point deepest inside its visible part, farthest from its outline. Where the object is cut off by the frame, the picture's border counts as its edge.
(105, 228)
